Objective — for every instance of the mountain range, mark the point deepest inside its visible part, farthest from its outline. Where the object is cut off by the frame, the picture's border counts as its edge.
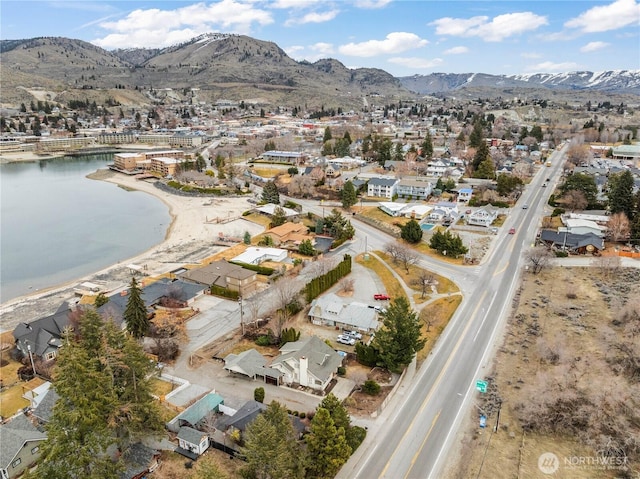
(215, 66)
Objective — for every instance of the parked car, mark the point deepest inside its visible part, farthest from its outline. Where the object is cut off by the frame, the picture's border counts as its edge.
(381, 297)
(544, 185)
(352, 334)
(524, 207)
(344, 339)
(380, 309)
(512, 231)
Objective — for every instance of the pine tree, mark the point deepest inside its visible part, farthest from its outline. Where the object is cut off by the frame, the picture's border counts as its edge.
(411, 232)
(348, 195)
(270, 193)
(135, 314)
(400, 338)
(327, 448)
(279, 216)
(476, 138)
(427, 146)
(620, 194)
(271, 450)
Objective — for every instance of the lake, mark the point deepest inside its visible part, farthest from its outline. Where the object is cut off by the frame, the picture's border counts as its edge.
(56, 225)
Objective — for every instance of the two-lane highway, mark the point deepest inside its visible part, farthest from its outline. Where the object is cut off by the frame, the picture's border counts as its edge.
(418, 432)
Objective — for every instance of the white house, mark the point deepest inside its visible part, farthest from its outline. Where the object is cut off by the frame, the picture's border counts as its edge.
(582, 227)
(483, 216)
(437, 168)
(382, 187)
(465, 194)
(442, 210)
(256, 255)
(391, 208)
(309, 362)
(331, 310)
(416, 189)
(192, 442)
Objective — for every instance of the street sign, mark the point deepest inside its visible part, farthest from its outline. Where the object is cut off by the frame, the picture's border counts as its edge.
(481, 385)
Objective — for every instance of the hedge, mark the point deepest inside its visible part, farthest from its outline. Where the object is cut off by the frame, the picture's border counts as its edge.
(319, 285)
(263, 270)
(224, 292)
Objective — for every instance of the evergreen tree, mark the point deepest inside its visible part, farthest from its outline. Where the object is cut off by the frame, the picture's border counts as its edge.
(427, 146)
(327, 134)
(411, 232)
(135, 314)
(306, 248)
(271, 450)
(447, 244)
(584, 183)
(246, 239)
(486, 169)
(482, 154)
(476, 138)
(400, 338)
(201, 164)
(279, 216)
(620, 194)
(336, 410)
(398, 152)
(327, 448)
(348, 195)
(270, 193)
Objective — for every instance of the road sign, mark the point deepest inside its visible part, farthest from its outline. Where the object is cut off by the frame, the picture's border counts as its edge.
(481, 385)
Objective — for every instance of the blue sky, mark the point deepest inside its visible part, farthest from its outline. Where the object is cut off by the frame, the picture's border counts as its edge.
(402, 37)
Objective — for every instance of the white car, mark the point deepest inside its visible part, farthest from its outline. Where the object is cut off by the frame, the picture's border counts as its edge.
(344, 339)
(352, 334)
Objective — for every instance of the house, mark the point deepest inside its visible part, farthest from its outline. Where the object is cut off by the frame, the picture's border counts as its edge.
(484, 216)
(465, 194)
(330, 310)
(391, 208)
(437, 168)
(43, 336)
(582, 227)
(415, 189)
(256, 255)
(139, 460)
(252, 364)
(151, 294)
(289, 232)
(225, 275)
(574, 243)
(292, 157)
(43, 411)
(269, 209)
(332, 171)
(20, 449)
(416, 211)
(191, 442)
(442, 210)
(382, 187)
(210, 403)
(309, 362)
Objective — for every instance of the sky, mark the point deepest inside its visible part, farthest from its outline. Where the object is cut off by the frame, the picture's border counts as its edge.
(402, 37)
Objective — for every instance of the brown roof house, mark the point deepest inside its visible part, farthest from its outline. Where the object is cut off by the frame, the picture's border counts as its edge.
(290, 233)
(223, 274)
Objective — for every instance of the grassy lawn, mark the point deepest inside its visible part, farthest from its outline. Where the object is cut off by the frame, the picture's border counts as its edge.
(258, 218)
(499, 221)
(438, 313)
(160, 387)
(375, 213)
(11, 400)
(267, 172)
(391, 284)
(424, 248)
(443, 286)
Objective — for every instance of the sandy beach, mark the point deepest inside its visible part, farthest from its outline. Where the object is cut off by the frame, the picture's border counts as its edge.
(189, 239)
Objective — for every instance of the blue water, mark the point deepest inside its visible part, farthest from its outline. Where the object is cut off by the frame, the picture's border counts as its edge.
(56, 225)
(427, 226)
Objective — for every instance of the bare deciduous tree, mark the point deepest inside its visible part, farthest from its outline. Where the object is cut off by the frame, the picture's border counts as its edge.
(347, 285)
(608, 265)
(618, 227)
(285, 291)
(539, 258)
(424, 281)
(575, 200)
(406, 256)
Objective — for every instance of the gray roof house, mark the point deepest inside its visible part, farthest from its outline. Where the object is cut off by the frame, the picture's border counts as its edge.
(43, 335)
(20, 446)
(309, 362)
(330, 310)
(252, 364)
(483, 217)
(575, 243)
(192, 443)
(382, 187)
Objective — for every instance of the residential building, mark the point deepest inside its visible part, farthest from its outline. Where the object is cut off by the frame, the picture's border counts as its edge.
(43, 337)
(191, 442)
(415, 189)
(309, 362)
(582, 227)
(382, 187)
(465, 194)
(290, 233)
(165, 166)
(256, 255)
(573, 243)
(127, 161)
(330, 310)
(20, 449)
(293, 157)
(252, 364)
(443, 210)
(223, 274)
(117, 138)
(484, 216)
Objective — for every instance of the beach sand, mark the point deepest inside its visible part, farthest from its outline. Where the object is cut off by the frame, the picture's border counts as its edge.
(189, 239)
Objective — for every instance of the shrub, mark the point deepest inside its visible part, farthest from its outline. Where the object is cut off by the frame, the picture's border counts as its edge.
(258, 394)
(561, 254)
(303, 415)
(342, 371)
(355, 436)
(263, 341)
(371, 387)
(558, 211)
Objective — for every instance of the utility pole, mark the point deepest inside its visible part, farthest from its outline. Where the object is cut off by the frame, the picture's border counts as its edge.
(33, 366)
(241, 314)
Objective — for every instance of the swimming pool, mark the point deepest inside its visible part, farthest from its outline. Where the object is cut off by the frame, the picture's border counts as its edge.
(427, 226)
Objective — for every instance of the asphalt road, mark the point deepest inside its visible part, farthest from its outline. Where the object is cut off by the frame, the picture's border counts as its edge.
(415, 439)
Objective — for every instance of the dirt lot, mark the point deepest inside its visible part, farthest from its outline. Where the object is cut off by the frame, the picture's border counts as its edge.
(565, 382)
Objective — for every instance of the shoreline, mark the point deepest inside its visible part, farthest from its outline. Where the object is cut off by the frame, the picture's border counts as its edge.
(188, 240)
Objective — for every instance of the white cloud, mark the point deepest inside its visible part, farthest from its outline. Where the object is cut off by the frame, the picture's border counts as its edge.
(160, 28)
(395, 42)
(323, 48)
(311, 53)
(456, 51)
(603, 18)
(594, 46)
(286, 4)
(494, 30)
(530, 55)
(372, 4)
(416, 63)
(551, 67)
(313, 17)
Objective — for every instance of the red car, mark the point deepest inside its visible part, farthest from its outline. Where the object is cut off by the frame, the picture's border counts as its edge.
(512, 231)
(381, 297)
